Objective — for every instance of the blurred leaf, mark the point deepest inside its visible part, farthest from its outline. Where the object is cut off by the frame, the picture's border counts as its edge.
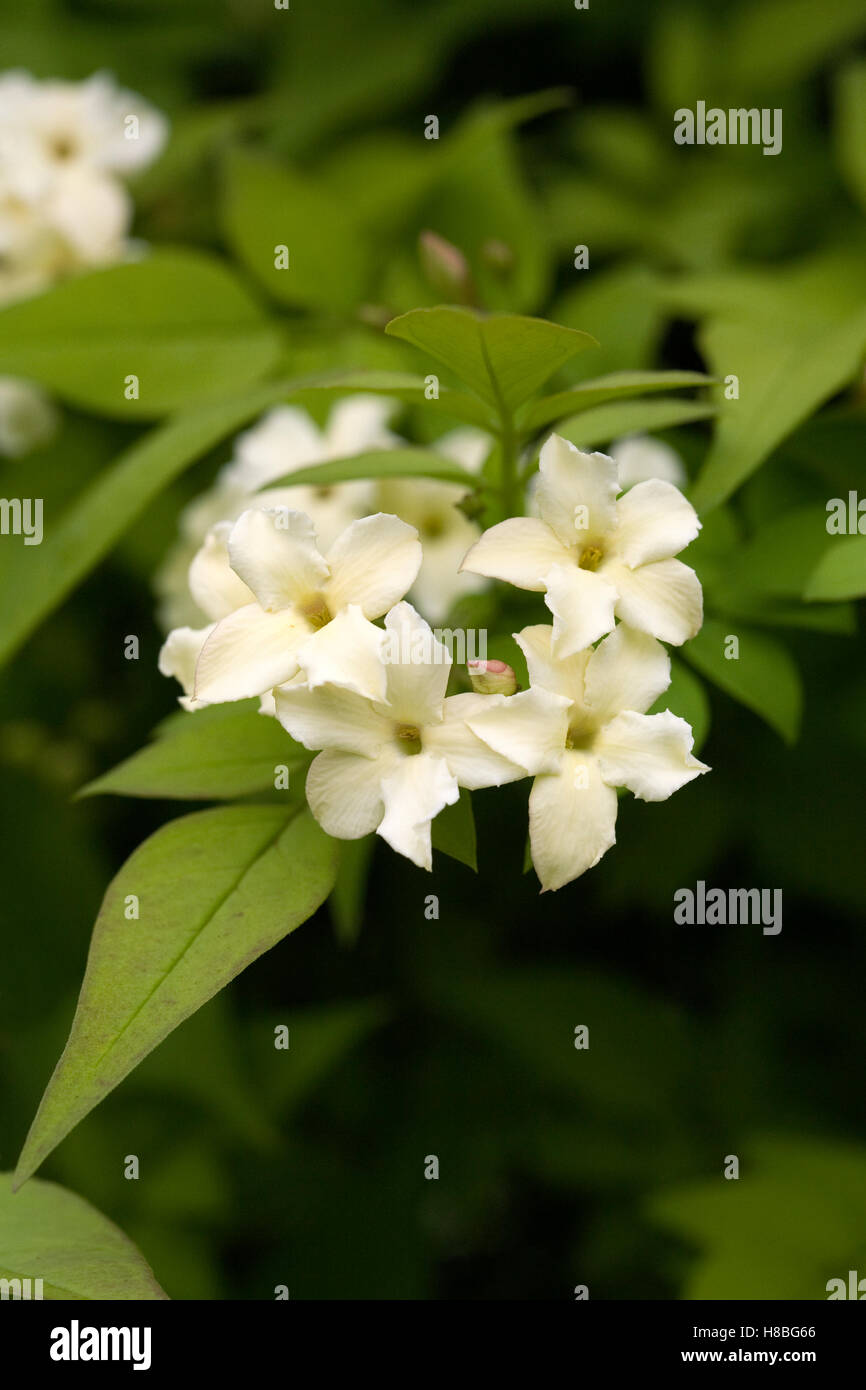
(216, 889)
(841, 571)
(403, 386)
(319, 1039)
(51, 1234)
(453, 831)
(504, 358)
(216, 753)
(850, 127)
(781, 41)
(178, 320)
(784, 374)
(763, 677)
(381, 463)
(266, 206)
(780, 555)
(602, 389)
(606, 422)
(794, 1219)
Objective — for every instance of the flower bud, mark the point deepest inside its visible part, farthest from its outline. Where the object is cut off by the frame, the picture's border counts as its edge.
(491, 677)
(497, 256)
(446, 267)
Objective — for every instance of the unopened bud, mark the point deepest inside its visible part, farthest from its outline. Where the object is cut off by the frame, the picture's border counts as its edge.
(498, 256)
(491, 677)
(446, 267)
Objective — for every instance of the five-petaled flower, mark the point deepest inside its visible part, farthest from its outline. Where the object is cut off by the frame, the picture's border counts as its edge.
(392, 764)
(280, 606)
(597, 557)
(581, 730)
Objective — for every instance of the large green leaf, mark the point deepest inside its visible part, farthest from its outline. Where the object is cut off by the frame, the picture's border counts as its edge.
(214, 890)
(51, 1234)
(503, 358)
(267, 205)
(763, 677)
(850, 127)
(179, 321)
(615, 386)
(841, 571)
(217, 753)
(89, 529)
(785, 372)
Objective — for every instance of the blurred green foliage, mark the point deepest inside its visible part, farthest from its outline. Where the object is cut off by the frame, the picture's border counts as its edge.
(455, 1036)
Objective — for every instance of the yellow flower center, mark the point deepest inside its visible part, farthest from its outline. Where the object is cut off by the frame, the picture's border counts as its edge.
(316, 611)
(590, 558)
(410, 736)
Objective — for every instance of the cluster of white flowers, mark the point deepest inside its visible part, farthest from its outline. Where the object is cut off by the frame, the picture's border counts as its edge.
(297, 628)
(286, 440)
(65, 148)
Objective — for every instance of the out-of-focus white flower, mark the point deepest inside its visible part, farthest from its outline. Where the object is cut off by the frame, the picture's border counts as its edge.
(64, 146)
(284, 440)
(597, 558)
(392, 764)
(445, 532)
(280, 606)
(28, 418)
(639, 457)
(581, 730)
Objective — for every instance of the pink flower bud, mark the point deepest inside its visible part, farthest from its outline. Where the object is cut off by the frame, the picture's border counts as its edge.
(446, 267)
(492, 677)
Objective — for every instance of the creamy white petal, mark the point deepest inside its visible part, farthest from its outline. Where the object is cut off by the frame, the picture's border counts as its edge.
(275, 553)
(373, 563)
(583, 605)
(344, 791)
(528, 729)
(284, 440)
(473, 762)
(180, 652)
(347, 652)
(357, 423)
(562, 675)
(628, 670)
(521, 551)
(212, 582)
(418, 788)
(418, 665)
(331, 718)
(664, 599)
(572, 820)
(640, 456)
(651, 754)
(654, 522)
(248, 653)
(576, 492)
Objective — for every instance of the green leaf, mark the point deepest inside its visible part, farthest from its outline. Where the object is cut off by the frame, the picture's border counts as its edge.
(606, 422)
(454, 831)
(841, 571)
(90, 528)
(268, 205)
(215, 890)
(179, 321)
(503, 358)
(686, 697)
(763, 677)
(850, 127)
(319, 1039)
(49, 1233)
(780, 556)
(403, 386)
(605, 388)
(381, 463)
(785, 372)
(216, 753)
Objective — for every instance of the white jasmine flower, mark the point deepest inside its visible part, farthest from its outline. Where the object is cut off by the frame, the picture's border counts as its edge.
(392, 764)
(445, 532)
(597, 557)
(588, 736)
(28, 418)
(281, 605)
(639, 457)
(284, 440)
